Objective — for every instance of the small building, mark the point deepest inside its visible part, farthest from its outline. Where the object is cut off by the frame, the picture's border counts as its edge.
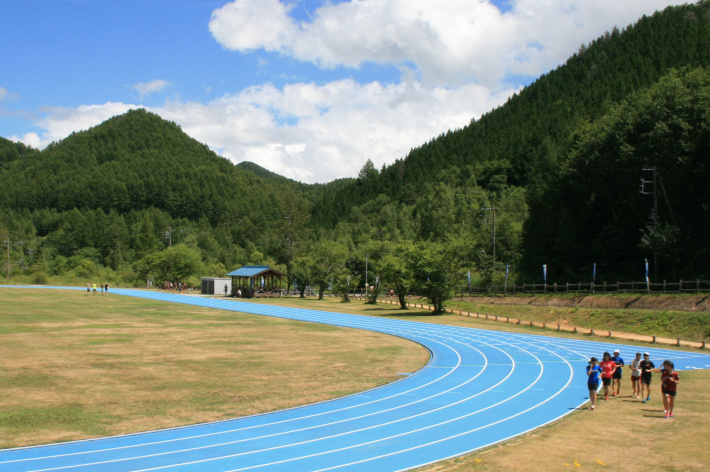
(216, 286)
(257, 281)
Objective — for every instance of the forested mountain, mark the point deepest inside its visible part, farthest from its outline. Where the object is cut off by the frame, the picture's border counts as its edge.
(521, 142)
(551, 177)
(133, 162)
(526, 142)
(114, 190)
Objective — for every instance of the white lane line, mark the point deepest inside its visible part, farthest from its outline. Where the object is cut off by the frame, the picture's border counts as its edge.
(293, 431)
(569, 380)
(187, 438)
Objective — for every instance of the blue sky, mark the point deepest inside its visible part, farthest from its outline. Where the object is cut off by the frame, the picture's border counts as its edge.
(306, 88)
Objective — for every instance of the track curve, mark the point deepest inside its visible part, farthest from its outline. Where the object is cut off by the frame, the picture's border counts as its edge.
(479, 388)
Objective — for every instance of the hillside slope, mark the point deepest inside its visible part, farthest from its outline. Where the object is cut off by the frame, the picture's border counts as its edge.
(522, 142)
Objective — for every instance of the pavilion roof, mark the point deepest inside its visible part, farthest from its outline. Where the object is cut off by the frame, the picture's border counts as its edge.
(255, 271)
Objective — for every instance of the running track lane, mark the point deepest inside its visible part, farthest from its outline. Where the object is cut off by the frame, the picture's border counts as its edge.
(479, 388)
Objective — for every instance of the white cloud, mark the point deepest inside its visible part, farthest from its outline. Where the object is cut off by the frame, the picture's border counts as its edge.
(58, 123)
(6, 95)
(462, 52)
(147, 88)
(451, 42)
(329, 131)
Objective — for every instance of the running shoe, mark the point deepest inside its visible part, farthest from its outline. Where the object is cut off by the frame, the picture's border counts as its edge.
(591, 407)
(666, 416)
(648, 398)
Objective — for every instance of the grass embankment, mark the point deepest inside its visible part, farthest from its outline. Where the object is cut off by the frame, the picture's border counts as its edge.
(666, 316)
(75, 366)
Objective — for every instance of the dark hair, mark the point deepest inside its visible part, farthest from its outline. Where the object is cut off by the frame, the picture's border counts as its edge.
(593, 359)
(606, 354)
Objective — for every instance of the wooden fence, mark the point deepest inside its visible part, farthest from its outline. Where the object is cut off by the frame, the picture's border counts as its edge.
(683, 286)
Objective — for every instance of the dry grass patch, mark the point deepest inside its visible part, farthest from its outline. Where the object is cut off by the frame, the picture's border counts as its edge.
(75, 366)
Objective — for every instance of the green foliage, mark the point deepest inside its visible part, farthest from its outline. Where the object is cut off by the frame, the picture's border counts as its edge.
(594, 211)
(175, 264)
(436, 270)
(549, 178)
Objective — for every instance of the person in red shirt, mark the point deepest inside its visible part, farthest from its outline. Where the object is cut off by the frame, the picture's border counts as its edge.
(669, 386)
(608, 368)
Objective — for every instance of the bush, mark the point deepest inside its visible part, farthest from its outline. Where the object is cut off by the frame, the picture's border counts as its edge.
(40, 278)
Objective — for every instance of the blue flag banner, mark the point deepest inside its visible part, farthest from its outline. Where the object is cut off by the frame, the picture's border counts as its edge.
(469, 277)
(646, 261)
(506, 271)
(594, 271)
(544, 272)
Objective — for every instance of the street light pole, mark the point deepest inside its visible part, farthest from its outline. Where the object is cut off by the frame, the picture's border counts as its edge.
(290, 250)
(367, 286)
(6, 242)
(493, 209)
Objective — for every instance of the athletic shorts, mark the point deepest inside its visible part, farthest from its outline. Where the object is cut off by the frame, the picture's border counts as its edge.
(646, 379)
(635, 378)
(606, 381)
(593, 386)
(616, 375)
(668, 392)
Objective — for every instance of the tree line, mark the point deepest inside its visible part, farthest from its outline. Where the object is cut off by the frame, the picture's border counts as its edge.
(553, 178)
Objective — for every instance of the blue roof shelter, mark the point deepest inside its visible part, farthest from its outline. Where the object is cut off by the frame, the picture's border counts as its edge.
(257, 281)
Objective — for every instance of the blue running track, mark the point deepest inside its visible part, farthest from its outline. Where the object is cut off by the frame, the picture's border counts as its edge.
(480, 388)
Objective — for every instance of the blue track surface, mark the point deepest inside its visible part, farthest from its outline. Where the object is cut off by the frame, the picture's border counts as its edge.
(480, 387)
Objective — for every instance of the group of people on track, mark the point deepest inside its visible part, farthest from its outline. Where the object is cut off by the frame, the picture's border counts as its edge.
(102, 287)
(609, 373)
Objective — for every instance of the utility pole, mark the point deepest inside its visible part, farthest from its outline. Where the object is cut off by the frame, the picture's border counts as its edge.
(290, 249)
(654, 213)
(493, 209)
(6, 243)
(366, 284)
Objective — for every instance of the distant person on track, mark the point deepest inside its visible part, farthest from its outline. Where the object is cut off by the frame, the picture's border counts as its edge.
(106, 286)
(608, 368)
(88, 288)
(593, 371)
(616, 378)
(669, 387)
(647, 367)
(636, 375)
(94, 287)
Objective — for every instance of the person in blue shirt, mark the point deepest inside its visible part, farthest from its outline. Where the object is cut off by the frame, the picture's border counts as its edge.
(616, 378)
(593, 372)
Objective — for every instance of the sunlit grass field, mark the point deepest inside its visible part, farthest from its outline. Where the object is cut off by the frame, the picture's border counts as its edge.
(75, 366)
